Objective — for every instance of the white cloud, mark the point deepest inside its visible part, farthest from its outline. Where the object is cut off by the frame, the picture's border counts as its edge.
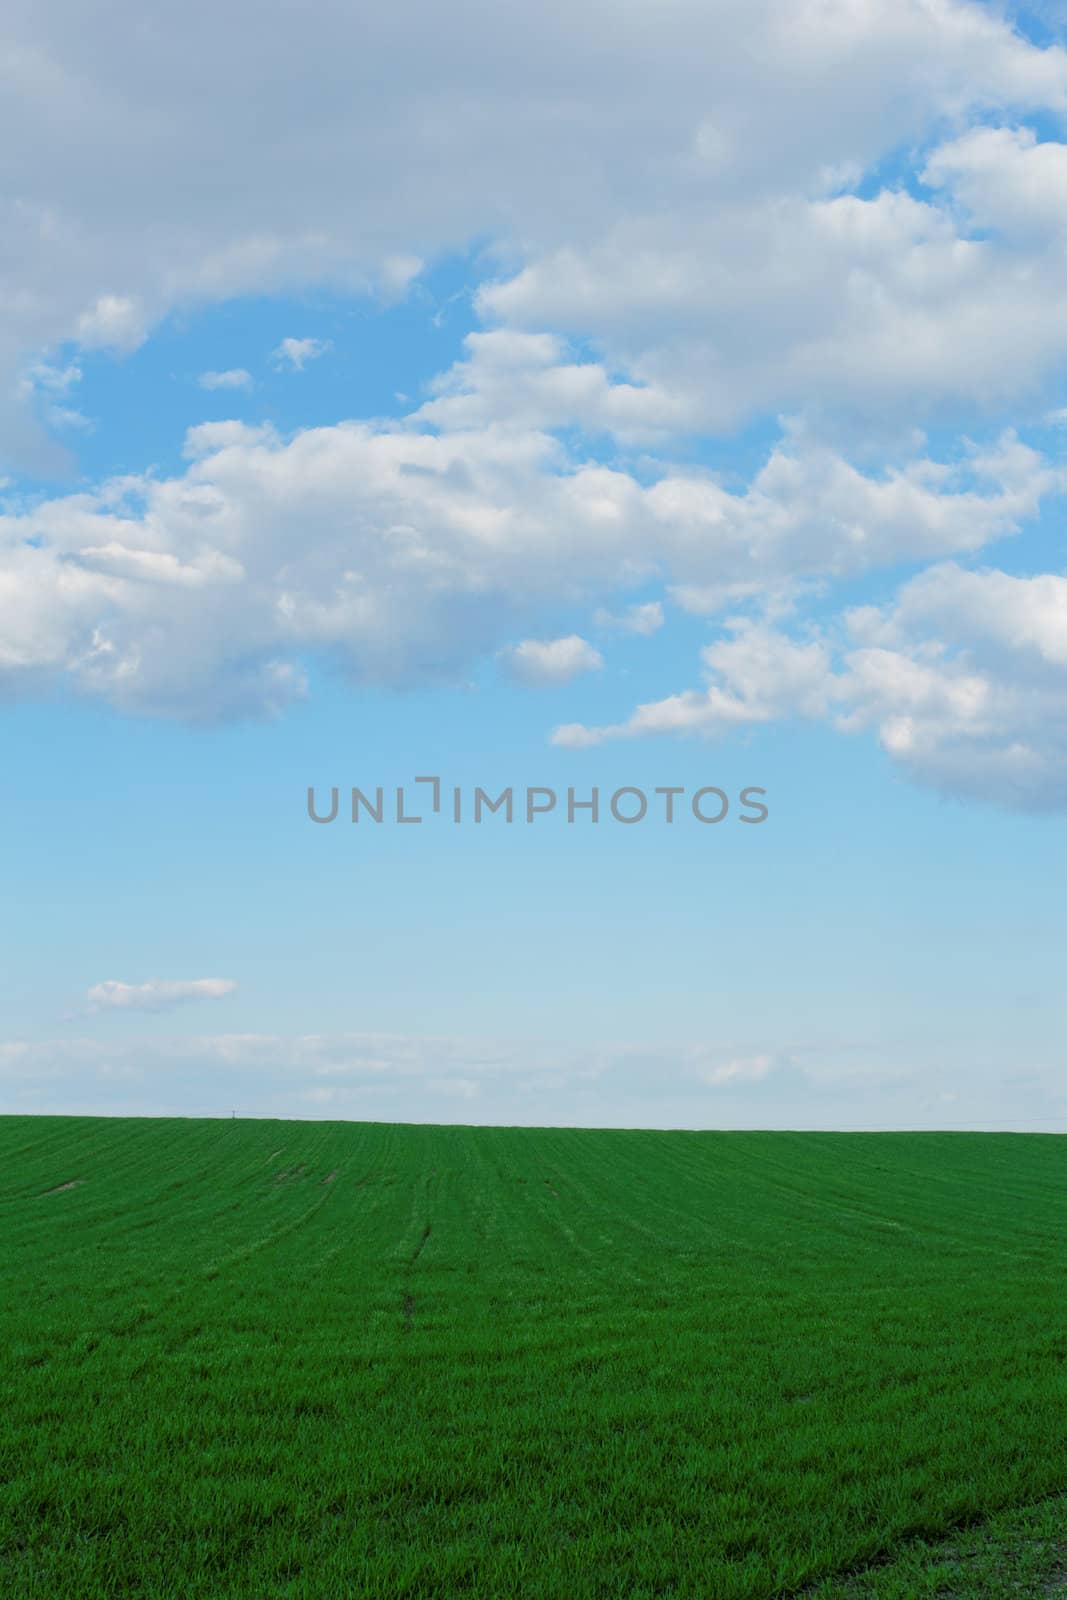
(69, 417)
(48, 387)
(459, 1088)
(576, 736)
(743, 1069)
(529, 381)
(398, 273)
(551, 661)
(758, 675)
(963, 678)
(158, 994)
(113, 321)
(1005, 178)
(55, 380)
(618, 172)
(394, 1077)
(296, 353)
(232, 378)
(646, 618)
(670, 195)
(643, 619)
(406, 556)
(871, 314)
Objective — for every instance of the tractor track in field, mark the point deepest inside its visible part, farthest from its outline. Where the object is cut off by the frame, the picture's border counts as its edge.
(853, 1581)
(409, 1301)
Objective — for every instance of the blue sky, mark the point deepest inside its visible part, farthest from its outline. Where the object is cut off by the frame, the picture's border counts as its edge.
(731, 458)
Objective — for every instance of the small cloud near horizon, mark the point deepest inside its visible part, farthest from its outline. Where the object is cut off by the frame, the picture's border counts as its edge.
(744, 1069)
(158, 994)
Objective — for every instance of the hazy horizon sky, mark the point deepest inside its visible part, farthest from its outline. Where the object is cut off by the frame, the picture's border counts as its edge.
(633, 396)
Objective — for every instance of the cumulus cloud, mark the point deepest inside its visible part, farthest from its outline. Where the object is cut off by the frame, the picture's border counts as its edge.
(232, 378)
(758, 675)
(158, 994)
(684, 224)
(963, 677)
(1007, 179)
(417, 553)
(296, 353)
(628, 184)
(529, 380)
(871, 313)
(551, 661)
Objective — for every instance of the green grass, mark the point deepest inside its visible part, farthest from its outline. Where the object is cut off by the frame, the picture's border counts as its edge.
(1018, 1554)
(267, 1359)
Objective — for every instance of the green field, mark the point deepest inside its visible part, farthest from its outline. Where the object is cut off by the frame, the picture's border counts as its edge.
(266, 1359)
